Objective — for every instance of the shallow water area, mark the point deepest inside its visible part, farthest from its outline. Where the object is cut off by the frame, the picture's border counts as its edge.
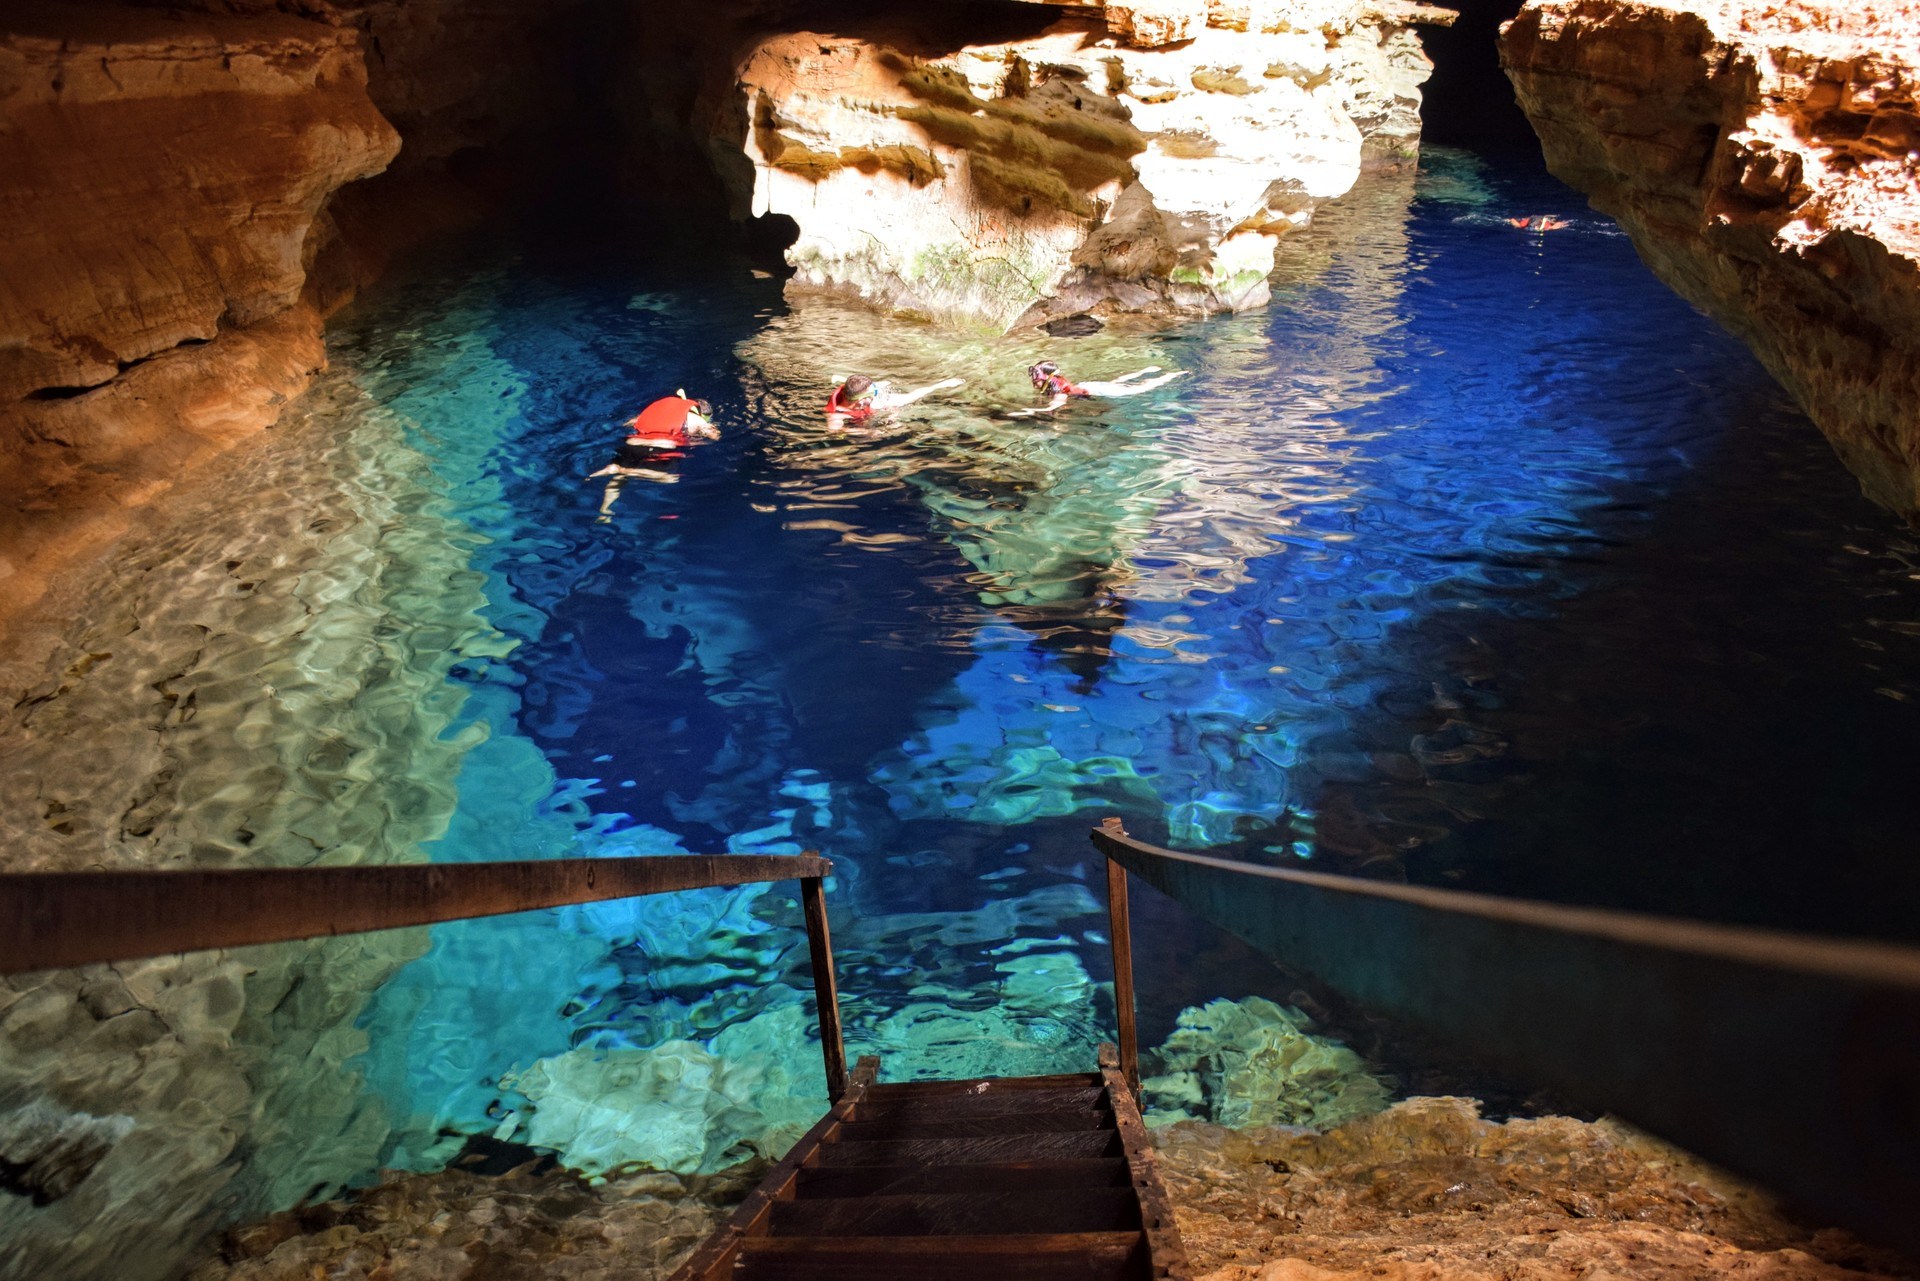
(1476, 559)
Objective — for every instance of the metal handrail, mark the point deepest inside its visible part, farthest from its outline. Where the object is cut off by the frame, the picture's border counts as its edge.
(52, 920)
(1790, 1058)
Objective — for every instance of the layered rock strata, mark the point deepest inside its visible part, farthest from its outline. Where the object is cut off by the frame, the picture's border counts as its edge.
(1146, 161)
(165, 178)
(1762, 157)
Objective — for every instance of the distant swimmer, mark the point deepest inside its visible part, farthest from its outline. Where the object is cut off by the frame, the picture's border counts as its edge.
(859, 398)
(1048, 379)
(657, 440)
(1543, 223)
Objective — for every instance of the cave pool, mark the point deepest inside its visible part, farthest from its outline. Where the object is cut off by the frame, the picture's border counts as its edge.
(1476, 559)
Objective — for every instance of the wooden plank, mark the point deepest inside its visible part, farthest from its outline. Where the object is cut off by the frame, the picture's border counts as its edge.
(999, 1148)
(959, 1213)
(1007, 1176)
(1095, 1256)
(1167, 1257)
(892, 1090)
(714, 1259)
(1673, 1025)
(1120, 933)
(826, 987)
(995, 1103)
(54, 919)
(1047, 1121)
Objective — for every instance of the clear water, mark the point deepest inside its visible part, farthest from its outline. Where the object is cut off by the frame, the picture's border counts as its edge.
(1477, 559)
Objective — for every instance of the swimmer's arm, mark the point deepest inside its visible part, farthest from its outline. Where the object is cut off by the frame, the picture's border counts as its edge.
(907, 398)
(698, 426)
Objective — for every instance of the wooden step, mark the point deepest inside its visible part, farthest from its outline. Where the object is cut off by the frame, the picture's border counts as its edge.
(886, 1092)
(963, 1127)
(959, 1214)
(994, 1149)
(1087, 1256)
(997, 1103)
(1011, 1176)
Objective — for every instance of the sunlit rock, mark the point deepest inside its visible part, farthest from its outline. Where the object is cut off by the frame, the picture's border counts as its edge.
(1145, 163)
(1428, 1190)
(1762, 157)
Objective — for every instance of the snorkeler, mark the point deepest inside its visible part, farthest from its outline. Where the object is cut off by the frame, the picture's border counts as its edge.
(1047, 378)
(859, 398)
(1545, 222)
(657, 440)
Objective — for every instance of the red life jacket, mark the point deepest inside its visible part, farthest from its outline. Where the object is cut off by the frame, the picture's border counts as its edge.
(665, 420)
(854, 409)
(1058, 385)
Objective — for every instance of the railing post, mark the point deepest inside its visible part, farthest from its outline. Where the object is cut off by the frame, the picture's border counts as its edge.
(826, 990)
(1119, 928)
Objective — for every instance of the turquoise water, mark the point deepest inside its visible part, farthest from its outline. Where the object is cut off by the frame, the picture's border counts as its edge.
(1478, 559)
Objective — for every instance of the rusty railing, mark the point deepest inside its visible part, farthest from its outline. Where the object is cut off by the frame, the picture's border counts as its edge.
(56, 919)
(1792, 1059)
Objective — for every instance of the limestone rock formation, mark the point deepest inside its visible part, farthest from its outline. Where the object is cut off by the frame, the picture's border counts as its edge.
(1144, 163)
(1428, 1190)
(1762, 157)
(164, 180)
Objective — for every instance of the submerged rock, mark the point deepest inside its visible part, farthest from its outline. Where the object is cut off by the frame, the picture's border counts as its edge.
(528, 1225)
(1146, 162)
(1762, 158)
(1252, 1062)
(1078, 325)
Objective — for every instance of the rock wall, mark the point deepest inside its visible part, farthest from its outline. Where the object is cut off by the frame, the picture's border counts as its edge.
(1144, 161)
(165, 179)
(1762, 158)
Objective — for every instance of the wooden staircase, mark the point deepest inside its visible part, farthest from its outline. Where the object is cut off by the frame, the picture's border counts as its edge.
(1039, 1178)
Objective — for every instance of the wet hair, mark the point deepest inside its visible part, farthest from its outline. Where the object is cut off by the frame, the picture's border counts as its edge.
(704, 408)
(1041, 372)
(857, 386)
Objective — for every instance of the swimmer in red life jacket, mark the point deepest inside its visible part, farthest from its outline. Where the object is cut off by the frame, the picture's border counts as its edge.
(656, 441)
(1048, 379)
(1544, 222)
(856, 400)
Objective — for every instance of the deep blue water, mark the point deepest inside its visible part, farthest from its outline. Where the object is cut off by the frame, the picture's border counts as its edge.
(1477, 559)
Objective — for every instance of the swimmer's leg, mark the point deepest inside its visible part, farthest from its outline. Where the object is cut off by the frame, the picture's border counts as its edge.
(1138, 373)
(610, 496)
